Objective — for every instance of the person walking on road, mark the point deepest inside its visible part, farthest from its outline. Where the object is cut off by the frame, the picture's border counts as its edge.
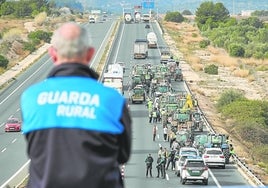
(78, 131)
(163, 165)
(149, 164)
(150, 117)
(154, 132)
(171, 159)
(172, 138)
(159, 166)
(165, 132)
(160, 151)
(154, 115)
(164, 156)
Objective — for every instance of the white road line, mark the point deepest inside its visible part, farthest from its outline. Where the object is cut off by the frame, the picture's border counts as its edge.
(120, 39)
(15, 90)
(214, 179)
(2, 124)
(14, 140)
(3, 150)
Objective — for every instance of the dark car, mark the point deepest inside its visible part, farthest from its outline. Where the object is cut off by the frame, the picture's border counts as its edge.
(13, 125)
(147, 26)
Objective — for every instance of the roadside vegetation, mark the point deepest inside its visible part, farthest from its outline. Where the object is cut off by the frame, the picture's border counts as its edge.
(247, 37)
(16, 42)
(245, 42)
(250, 123)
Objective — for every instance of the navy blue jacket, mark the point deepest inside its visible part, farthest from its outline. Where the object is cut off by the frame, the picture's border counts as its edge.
(77, 130)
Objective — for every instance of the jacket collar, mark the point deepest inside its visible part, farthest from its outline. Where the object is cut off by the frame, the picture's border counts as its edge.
(73, 69)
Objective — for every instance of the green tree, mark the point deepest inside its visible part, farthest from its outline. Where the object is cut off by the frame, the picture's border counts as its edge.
(263, 35)
(39, 5)
(228, 97)
(252, 21)
(260, 13)
(211, 14)
(211, 69)
(2, 1)
(22, 9)
(40, 35)
(236, 50)
(186, 12)
(174, 17)
(220, 12)
(204, 43)
(3, 62)
(7, 8)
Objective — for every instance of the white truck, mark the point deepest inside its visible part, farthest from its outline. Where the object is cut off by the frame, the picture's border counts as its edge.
(127, 18)
(140, 49)
(114, 77)
(116, 69)
(152, 40)
(137, 17)
(92, 19)
(112, 81)
(146, 17)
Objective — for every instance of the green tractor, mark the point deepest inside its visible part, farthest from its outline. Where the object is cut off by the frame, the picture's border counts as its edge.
(136, 80)
(178, 74)
(183, 137)
(183, 115)
(138, 94)
(198, 123)
(199, 142)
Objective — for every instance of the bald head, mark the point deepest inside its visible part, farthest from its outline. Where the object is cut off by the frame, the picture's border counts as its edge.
(70, 42)
(70, 31)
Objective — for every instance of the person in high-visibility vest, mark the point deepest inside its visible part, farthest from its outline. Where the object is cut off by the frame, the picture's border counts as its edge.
(154, 114)
(150, 105)
(232, 152)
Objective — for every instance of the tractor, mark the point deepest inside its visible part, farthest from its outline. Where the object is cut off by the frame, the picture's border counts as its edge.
(197, 121)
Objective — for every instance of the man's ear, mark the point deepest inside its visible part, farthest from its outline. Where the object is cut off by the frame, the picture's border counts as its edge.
(90, 53)
(53, 54)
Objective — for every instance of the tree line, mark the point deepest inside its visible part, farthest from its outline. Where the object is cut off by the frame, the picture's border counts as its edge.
(247, 37)
(24, 8)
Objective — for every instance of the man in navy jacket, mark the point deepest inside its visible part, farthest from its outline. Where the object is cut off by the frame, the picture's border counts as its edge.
(78, 131)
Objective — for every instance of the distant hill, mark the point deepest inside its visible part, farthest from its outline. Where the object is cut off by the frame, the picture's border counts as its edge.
(116, 6)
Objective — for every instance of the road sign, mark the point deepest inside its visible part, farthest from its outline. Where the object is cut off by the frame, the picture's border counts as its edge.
(148, 4)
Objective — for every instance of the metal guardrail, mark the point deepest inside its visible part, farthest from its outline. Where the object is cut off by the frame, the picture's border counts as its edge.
(253, 177)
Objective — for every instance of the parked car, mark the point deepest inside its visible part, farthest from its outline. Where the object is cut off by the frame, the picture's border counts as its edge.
(13, 125)
(194, 170)
(214, 157)
(188, 151)
(147, 26)
(180, 162)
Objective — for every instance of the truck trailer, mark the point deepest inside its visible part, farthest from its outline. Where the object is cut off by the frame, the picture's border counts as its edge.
(152, 40)
(140, 49)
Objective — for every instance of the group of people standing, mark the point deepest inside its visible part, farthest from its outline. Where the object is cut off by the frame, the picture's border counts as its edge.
(164, 159)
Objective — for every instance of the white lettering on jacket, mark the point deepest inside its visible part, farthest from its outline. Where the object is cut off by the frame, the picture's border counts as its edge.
(71, 103)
